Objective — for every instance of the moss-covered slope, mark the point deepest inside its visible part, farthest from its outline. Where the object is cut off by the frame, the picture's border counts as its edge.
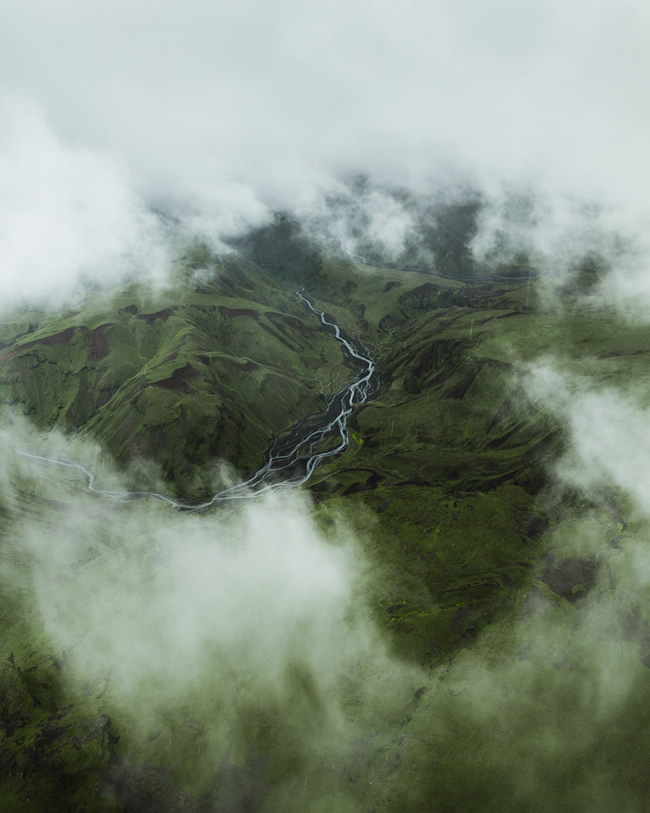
(517, 677)
(185, 377)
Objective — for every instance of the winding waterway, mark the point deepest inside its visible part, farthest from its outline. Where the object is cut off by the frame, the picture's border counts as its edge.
(294, 453)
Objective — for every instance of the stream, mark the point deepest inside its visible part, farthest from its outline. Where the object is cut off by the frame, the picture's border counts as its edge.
(294, 453)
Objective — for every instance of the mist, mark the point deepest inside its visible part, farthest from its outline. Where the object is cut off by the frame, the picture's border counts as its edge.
(125, 133)
(217, 637)
(219, 116)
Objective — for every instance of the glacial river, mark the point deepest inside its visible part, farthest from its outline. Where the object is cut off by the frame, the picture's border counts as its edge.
(293, 454)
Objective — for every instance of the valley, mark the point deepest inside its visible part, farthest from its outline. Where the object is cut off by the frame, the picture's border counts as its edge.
(491, 593)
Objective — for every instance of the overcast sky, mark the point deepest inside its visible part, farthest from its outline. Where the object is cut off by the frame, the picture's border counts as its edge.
(222, 110)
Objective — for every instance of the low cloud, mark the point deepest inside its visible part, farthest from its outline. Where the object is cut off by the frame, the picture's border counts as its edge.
(70, 216)
(546, 709)
(202, 626)
(219, 115)
(214, 116)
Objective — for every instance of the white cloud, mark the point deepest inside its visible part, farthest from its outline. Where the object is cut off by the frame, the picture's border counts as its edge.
(608, 430)
(224, 618)
(67, 214)
(225, 110)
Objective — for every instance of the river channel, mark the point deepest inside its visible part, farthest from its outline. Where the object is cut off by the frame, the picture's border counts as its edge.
(294, 453)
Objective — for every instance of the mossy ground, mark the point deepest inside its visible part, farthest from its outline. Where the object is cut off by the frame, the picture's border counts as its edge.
(504, 606)
(183, 378)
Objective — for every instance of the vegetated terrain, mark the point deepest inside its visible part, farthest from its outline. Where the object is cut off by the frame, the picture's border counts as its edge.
(210, 371)
(501, 596)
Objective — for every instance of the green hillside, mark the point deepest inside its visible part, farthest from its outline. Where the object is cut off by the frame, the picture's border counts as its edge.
(492, 652)
(183, 377)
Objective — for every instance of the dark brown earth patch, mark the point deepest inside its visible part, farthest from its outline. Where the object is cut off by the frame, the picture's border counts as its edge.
(62, 338)
(179, 380)
(59, 339)
(150, 318)
(98, 343)
(389, 285)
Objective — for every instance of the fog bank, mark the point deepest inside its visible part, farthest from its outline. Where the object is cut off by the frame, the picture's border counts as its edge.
(219, 115)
